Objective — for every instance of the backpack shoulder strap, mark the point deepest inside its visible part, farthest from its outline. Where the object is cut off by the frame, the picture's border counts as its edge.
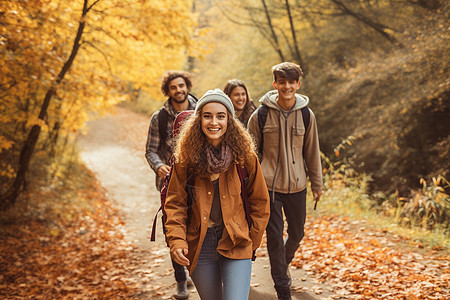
(163, 118)
(306, 117)
(163, 194)
(262, 117)
(193, 97)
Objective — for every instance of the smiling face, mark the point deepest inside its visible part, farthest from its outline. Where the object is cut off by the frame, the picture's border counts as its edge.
(214, 118)
(239, 98)
(286, 88)
(178, 90)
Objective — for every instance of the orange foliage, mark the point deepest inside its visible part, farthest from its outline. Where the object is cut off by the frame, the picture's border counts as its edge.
(67, 251)
(358, 263)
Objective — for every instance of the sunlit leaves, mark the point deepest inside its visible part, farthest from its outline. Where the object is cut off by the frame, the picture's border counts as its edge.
(124, 44)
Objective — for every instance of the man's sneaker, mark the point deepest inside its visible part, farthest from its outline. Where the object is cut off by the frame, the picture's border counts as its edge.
(182, 291)
(283, 293)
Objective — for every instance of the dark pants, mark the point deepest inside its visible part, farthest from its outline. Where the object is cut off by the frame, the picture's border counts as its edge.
(281, 253)
(180, 273)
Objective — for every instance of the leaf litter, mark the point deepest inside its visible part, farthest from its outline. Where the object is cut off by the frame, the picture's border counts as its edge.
(364, 264)
(79, 251)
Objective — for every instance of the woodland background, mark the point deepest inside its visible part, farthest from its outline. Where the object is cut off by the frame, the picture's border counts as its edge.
(377, 73)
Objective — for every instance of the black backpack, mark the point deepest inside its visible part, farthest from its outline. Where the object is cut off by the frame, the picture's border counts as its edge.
(262, 118)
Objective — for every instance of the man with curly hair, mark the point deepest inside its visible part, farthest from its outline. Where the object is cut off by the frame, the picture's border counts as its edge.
(159, 148)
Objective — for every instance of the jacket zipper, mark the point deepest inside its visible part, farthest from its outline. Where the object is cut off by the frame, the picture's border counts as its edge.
(287, 154)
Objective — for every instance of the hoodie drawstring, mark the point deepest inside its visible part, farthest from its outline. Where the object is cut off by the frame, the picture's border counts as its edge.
(292, 137)
(278, 158)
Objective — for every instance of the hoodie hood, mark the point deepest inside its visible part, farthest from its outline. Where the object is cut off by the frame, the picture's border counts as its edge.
(270, 100)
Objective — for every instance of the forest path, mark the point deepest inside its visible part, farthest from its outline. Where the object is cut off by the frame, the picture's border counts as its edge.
(113, 149)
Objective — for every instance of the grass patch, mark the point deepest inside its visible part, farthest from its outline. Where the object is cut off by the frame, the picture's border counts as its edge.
(346, 194)
(356, 206)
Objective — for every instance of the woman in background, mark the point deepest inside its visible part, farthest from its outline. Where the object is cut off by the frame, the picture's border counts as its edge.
(243, 105)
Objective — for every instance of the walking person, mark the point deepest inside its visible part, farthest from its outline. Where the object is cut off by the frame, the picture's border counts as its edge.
(176, 86)
(207, 227)
(243, 105)
(289, 149)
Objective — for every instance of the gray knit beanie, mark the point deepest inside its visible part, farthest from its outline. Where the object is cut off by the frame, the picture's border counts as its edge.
(218, 96)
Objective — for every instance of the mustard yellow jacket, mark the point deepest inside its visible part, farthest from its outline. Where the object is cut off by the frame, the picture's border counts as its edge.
(238, 241)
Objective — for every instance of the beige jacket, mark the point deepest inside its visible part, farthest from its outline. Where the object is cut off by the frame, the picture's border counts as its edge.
(284, 164)
(238, 241)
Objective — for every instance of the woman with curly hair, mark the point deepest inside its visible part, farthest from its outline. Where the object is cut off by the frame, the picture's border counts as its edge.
(206, 226)
(243, 105)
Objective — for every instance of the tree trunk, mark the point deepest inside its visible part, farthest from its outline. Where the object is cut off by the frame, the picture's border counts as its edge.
(28, 148)
(376, 26)
(272, 30)
(297, 54)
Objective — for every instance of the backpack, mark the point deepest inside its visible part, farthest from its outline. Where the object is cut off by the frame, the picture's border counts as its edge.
(179, 119)
(262, 118)
(242, 171)
(163, 118)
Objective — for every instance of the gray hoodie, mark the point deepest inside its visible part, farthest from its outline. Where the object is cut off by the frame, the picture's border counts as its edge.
(283, 163)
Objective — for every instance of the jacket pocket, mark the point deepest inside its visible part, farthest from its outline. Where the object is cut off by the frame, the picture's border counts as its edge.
(298, 134)
(271, 135)
(237, 229)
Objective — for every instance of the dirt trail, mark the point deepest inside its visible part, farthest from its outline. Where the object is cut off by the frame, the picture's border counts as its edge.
(113, 149)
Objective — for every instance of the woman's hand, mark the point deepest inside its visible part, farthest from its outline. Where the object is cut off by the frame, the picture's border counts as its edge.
(179, 256)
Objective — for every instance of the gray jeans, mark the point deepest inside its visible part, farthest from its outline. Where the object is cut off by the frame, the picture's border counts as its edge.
(217, 277)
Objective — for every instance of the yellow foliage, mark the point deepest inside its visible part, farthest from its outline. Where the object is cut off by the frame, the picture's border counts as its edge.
(5, 143)
(125, 43)
(7, 171)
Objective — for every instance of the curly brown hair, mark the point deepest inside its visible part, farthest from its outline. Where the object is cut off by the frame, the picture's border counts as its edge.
(171, 75)
(191, 143)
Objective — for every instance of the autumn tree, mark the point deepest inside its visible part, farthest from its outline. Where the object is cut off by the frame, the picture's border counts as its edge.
(393, 99)
(62, 61)
(290, 26)
(268, 18)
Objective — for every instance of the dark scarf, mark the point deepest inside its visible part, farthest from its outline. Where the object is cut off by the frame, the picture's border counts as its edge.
(219, 160)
